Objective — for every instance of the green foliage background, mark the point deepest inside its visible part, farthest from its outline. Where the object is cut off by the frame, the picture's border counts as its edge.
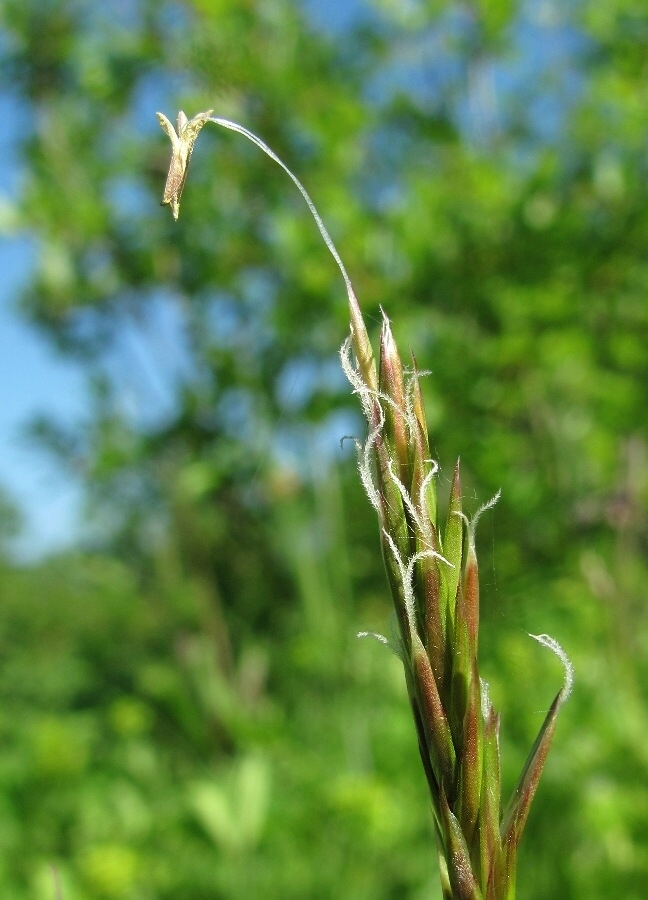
(185, 711)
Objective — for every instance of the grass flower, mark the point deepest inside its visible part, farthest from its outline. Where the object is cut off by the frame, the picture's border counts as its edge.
(434, 580)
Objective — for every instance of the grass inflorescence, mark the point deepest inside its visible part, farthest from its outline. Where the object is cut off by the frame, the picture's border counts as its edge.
(433, 575)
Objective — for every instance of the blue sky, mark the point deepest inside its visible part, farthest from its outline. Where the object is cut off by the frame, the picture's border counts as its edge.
(33, 381)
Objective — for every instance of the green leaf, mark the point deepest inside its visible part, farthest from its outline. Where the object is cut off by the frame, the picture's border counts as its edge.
(516, 813)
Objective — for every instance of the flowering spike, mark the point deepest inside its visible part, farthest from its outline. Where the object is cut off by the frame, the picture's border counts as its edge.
(470, 598)
(392, 385)
(421, 462)
(435, 724)
(490, 844)
(462, 880)
(470, 771)
(453, 543)
(434, 621)
(435, 592)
